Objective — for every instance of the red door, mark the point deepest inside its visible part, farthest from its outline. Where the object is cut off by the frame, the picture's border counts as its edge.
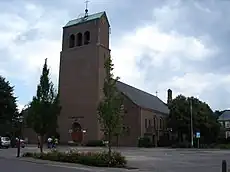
(77, 136)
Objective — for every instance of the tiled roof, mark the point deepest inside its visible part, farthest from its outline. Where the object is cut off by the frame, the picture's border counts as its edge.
(224, 116)
(85, 19)
(143, 99)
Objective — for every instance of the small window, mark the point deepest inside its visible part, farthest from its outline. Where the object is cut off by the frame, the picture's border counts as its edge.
(149, 122)
(146, 123)
(86, 37)
(71, 41)
(79, 39)
(161, 123)
(154, 122)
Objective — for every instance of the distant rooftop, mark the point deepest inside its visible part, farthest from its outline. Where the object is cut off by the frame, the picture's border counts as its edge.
(224, 116)
(85, 19)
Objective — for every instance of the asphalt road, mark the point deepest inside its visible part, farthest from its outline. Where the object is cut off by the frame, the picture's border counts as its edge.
(22, 166)
(163, 160)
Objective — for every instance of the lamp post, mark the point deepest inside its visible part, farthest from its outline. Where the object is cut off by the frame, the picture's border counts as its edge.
(191, 123)
(20, 121)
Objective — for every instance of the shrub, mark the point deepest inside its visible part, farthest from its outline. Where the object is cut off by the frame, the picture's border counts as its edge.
(99, 159)
(95, 143)
(223, 146)
(145, 142)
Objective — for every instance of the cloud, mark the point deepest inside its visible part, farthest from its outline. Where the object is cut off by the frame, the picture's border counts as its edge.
(169, 44)
(155, 58)
(169, 51)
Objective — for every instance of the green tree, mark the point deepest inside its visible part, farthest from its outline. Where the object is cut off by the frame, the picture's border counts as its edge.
(110, 108)
(8, 106)
(121, 131)
(44, 109)
(204, 120)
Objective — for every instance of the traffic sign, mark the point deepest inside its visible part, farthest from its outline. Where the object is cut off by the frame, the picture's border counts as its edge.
(197, 134)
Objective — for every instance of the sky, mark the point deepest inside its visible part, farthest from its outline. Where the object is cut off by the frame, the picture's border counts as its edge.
(155, 44)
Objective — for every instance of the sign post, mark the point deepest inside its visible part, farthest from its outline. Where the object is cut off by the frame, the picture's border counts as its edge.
(198, 139)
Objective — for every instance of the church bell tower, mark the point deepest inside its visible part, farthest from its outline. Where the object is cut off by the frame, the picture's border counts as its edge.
(85, 44)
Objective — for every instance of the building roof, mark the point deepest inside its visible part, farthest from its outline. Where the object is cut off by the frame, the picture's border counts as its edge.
(143, 99)
(85, 19)
(224, 116)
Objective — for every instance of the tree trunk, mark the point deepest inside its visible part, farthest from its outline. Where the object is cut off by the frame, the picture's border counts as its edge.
(117, 137)
(109, 145)
(41, 143)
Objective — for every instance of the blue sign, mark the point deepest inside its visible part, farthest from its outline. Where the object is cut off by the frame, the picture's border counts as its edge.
(197, 134)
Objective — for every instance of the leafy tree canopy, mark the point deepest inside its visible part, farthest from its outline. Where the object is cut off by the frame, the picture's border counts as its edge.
(8, 106)
(110, 108)
(44, 109)
(204, 120)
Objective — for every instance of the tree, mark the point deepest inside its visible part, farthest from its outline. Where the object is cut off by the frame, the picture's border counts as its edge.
(8, 106)
(44, 109)
(110, 108)
(121, 131)
(217, 113)
(204, 120)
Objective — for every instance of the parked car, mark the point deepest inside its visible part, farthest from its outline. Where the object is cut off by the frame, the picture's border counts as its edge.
(4, 142)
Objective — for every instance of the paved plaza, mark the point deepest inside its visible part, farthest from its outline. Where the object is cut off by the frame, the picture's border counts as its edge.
(156, 159)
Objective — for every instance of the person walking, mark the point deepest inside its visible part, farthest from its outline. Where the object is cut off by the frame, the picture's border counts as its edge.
(49, 141)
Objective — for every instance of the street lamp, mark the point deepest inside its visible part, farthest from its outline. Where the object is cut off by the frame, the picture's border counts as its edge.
(191, 122)
(20, 121)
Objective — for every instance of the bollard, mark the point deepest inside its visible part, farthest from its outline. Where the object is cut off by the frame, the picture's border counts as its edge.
(224, 166)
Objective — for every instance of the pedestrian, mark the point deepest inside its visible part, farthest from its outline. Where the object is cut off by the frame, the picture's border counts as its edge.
(49, 141)
(53, 142)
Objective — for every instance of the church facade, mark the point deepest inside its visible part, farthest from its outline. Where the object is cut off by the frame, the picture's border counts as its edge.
(85, 45)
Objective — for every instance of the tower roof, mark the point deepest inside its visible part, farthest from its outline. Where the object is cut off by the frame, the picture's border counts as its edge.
(84, 19)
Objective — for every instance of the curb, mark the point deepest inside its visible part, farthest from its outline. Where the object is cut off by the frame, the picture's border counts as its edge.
(68, 165)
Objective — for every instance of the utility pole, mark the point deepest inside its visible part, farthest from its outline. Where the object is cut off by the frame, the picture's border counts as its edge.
(191, 122)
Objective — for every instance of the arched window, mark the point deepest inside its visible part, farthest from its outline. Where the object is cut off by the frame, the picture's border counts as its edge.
(86, 37)
(79, 39)
(161, 123)
(71, 41)
(155, 122)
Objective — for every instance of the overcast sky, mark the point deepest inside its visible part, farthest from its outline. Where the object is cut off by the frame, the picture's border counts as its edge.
(183, 45)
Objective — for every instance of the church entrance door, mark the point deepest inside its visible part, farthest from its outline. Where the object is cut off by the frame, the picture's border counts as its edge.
(77, 134)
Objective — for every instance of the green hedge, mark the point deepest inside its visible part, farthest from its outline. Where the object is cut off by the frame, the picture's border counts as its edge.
(95, 143)
(98, 159)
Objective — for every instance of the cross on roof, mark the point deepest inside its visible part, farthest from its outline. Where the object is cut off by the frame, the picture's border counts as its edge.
(86, 7)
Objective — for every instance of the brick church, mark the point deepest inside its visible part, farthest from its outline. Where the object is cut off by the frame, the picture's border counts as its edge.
(85, 44)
